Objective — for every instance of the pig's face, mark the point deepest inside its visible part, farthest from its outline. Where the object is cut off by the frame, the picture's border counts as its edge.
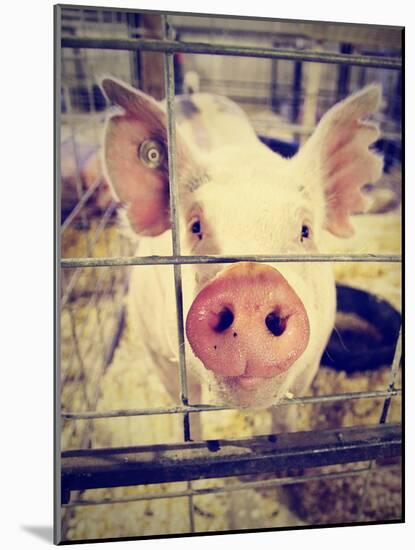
(253, 325)
(255, 328)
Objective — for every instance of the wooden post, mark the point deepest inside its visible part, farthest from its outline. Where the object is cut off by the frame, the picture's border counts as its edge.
(152, 62)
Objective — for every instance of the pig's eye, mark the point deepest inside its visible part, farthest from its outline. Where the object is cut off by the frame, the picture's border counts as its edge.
(151, 153)
(305, 232)
(196, 228)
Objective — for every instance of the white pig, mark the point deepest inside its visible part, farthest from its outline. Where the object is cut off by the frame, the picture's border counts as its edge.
(254, 331)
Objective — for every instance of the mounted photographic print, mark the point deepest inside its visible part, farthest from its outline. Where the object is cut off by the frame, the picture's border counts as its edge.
(228, 280)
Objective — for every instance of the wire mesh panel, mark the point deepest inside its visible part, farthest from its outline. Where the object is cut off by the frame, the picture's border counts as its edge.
(132, 463)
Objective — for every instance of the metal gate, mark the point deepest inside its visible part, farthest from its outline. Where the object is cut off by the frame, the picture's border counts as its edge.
(100, 278)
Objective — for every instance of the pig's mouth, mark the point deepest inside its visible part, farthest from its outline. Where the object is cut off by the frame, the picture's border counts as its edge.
(273, 374)
(249, 383)
(246, 391)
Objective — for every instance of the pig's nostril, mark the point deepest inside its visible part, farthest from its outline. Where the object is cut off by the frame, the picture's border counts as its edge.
(225, 320)
(275, 324)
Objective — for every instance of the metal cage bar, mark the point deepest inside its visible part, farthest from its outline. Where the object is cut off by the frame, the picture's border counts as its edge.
(174, 195)
(236, 487)
(206, 408)
(100, 468)
(175, 46)
(181, 260)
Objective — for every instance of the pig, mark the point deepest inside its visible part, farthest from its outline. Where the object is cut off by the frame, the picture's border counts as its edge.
(255, 331)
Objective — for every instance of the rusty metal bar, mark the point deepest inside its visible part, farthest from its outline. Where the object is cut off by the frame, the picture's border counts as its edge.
(206, 408)
(169, 81)
(236, 487)
(174, 199)
(128, 466)
(175, 222)
(173, 46)
(181, 260)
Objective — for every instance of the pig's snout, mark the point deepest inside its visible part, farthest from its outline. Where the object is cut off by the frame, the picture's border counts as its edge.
(248, 324)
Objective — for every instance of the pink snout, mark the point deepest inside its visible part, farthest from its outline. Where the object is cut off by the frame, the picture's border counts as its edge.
(248, 324)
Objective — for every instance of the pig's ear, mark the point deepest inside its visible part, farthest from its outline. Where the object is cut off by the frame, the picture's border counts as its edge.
(135, 103)
(340, 147)
(135, 152)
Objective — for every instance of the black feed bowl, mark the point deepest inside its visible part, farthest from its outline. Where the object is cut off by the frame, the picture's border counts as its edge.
(368, 343)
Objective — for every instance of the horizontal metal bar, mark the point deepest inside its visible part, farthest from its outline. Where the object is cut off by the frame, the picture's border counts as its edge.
(242, 32)
(120, 467)
(173, 46)
(181, 260)
(209, 408)
(243, 486)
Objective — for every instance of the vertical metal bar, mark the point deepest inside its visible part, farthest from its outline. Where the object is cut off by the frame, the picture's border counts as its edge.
(392, 377)
(382, 419)
(174, 196)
